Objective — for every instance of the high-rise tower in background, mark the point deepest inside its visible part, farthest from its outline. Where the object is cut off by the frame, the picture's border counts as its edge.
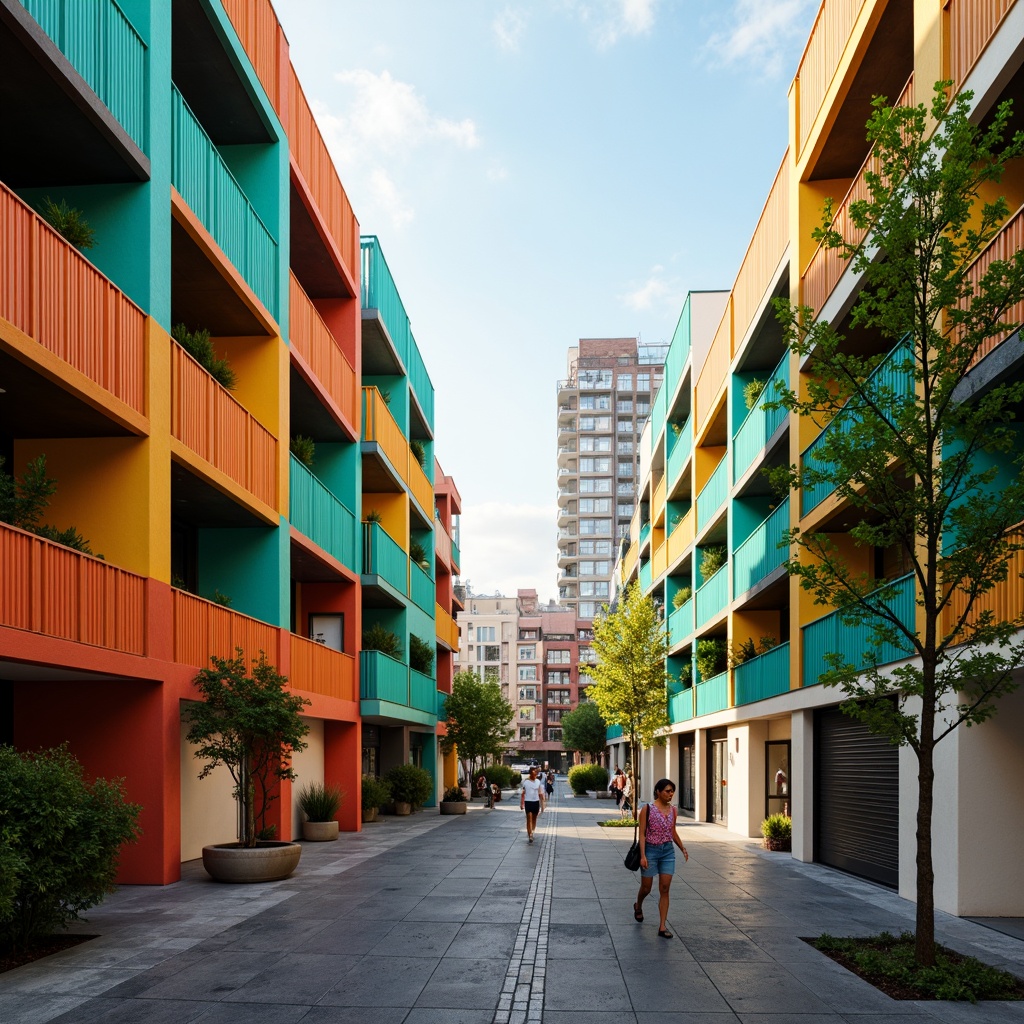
(603, 403)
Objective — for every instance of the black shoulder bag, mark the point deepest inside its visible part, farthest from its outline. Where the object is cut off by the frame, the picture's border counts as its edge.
(632, 858)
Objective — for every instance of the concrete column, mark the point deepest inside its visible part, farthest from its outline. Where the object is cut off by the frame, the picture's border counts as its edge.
(700, 775)
(802, 785)
(672, 764)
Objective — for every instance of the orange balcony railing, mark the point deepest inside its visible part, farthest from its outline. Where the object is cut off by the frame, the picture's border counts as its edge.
(203, 630)
(445, 627)
(442, 543)
(314, 342)
(261, 37)
(820, 60)
(972, 23)
(764, 252)
(50, 589)
(206, 419)
(316, 166)
(659, 560)
(421, 488)
(57, 297)
(380, 426)
(323, 670)
(658, 500)
(629, 560)
(715, 369)
(1006, 601)
(826, 266)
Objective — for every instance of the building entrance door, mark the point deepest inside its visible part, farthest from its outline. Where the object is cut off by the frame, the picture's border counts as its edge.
(688, 770)
(718, 777)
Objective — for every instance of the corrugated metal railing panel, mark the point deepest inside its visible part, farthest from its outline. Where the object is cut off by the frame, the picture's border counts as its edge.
(422, 692)
(381, 677)
(50, 589)
(712, 596)
(421, 588)
(760, 553)
(380, 427)
(104, 48)
(715, 369)
(56, 296)
(456, 557)
(446, 627)
(206, 183)
(712, 694)
(1006, 601)
(680, 706)
(645, 577)
(680, 623)
(318, 513)
(760, 424)
(422, 386)
(203, 630)
(765, 676)
(261, 37)
(420, 487)
(379, 292)
(972, 23)
(442, 543)
(206, 419)
(681, 536)
(678, 350)
(679, 448)
(320, 669)
(713, 494)
(383, 557)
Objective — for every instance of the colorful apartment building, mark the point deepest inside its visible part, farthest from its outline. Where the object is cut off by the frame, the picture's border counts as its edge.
(764, 735)
(183, 134)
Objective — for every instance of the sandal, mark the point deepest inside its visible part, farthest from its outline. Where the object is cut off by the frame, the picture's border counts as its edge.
(638, 914)
(663, 934)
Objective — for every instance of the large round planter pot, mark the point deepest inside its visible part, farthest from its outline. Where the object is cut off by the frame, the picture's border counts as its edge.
(264, 862)
(319, 831)
(402, 808)
(369, 814)
(453, 806)
(779, 845)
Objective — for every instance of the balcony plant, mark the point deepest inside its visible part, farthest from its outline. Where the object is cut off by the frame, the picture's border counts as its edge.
(419, 452)
(251, 725)
(421, 655)
(373, 516)
(712, 655)
(320, 804)
(374, 794)
(377, 637)
(752, 391)
(69, 222)
(777, 830)
(750, 649)
(304, 449)
(711, 560)
(681, 596)
(418, 555)
(454, 801)
(198, 345)
(410, 786)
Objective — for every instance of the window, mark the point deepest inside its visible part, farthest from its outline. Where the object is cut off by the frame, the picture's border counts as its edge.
(588, 655)
(588, 609)
(558, 697)
(598, 527)
(624, 490)
(624, 426)
(555, 716)
(595, 444)
(586, 402)
(484, 633)
(595, 485)
(595, 380)
(643, 382)
(593, 588)
(642, 408)
(558, 657)
(585, 679)
(623, 530)
(526, 712)
(526, 733)
(592, 505)
(625, 382)
(625, 511)
(554, 735)
(528, 652)
(595, 547)
(585, 635)
(527, 692)
(492, 653)
(527, 634)
(598, 465)
(527, 672)
(626, 469)
(624, 405)
(559, 677)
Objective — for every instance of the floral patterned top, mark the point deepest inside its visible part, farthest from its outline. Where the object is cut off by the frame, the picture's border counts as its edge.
(659, 827)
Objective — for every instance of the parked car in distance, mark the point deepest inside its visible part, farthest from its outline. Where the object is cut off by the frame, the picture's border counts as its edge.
(523, 767)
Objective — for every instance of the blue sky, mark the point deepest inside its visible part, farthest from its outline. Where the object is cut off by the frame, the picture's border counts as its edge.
(537, 173)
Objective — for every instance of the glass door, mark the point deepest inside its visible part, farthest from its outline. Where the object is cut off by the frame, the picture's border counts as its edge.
(686, 801)
(776, 762)
(719, 781)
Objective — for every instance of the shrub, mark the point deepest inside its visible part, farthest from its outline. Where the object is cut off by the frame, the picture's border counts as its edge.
(304, 449)
(749, 649)
(681, 596)
(61, 840)
(410, 784)
(583, 777)
(373, 516)
(421, 655)
(375, 792)
(712, 559)
(502, 775)
(453, 795)
(418, 555)
(711, 657)
(752, 391)
(320, 802)
(198, 345)
(377, 637)
(69, 222)
(419, 452)
(777, 827)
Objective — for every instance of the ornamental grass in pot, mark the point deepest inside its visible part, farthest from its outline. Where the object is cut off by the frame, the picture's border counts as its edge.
(320, 804)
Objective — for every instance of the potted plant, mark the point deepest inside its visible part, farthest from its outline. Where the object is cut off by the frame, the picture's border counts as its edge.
(777, 830)
(409, 785)
(681, 596)
(453, 801)
(250, 724)
(375, 793)
(320, 804)
(752, 391)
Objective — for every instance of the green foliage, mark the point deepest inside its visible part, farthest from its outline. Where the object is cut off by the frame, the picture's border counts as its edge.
(777, 826)
(320, 802)
(70, 538)
(579, 779)
(419, 452)
(585, 730)
(198, 345)
(374, 792)
(61, 841)
(477, 720)
(69, 222)
(377, 637)
(712, 656)
(619, 823)
(752, 391)
(421, 655)
(410, 784)
(304, 449)
(453, 795)
(418, 555)
(887, 961)
(681, 596)
(222, 599)
(250, 724)
(750, 649)
(711, 560)
(503, 776)
(373, 516)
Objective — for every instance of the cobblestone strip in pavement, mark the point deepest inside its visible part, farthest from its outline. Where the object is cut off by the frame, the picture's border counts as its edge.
(522, 996)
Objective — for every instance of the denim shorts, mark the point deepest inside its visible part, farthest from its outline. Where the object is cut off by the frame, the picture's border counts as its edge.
(661, 860)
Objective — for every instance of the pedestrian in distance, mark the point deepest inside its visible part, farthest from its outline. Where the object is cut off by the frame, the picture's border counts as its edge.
(549, 784)
(658, 838)
(616, 787)
(531, 800)
(626, 807)
(484, 790)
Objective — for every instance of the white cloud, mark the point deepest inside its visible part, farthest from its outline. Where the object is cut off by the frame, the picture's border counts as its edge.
(509, 27)
(496, 172)
(612, 20)
(654, 292)
(762, 32)
(387, 196)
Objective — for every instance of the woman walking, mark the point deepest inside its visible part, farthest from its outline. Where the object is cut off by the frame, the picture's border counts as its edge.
(531, 798)
(658, 834)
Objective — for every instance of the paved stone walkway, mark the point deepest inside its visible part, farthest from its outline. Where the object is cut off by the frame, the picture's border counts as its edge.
(457, 920)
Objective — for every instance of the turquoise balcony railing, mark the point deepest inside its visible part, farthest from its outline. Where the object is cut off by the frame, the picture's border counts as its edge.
(205, 182)
(830, 635)
(381, 677)
(614, 732)
(890, 377)
(314, 511)
(760, 553)
(421, 385)
(104, 48)
(767, 675)
(380, 292)
(678, 350)
(456, 559)
(422, 692)
(680, 623)
(645, 577)
(713, 494)
(712, 596)
(421, 588)
(680, 706)
(712, 694)
(645, 532)
(759, 424)
(679, 447)
(659, 410)
(383, 557)
(441, 698)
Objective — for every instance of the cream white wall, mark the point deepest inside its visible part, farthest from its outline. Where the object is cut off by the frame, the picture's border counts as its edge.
(801, 775)
(746, 777)
(309, 768)
(208, 810)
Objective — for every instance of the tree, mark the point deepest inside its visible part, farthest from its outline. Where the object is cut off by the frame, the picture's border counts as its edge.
(585, 730)
(629, 677)
(250, 724)
(927, 466)
(477, 719)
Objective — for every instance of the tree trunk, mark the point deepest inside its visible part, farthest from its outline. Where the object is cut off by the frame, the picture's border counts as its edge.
(924, 945)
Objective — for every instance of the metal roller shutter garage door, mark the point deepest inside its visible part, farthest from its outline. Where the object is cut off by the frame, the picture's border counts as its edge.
(856, 798)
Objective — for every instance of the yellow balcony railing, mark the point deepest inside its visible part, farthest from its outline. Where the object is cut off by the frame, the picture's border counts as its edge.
(446, 629)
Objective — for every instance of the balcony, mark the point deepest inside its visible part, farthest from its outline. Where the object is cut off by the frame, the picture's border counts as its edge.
(681, 536)
(680, 623)
(313, 341)
(712, 496)
(765, 676)
(761, 553)
(385, 559)
(712, 596)
(680, 706)
(629, 560)
(659, 559)
(204, 181)
(446, 629)
(614, 732)
(658, 501)
(712, 694)
(714, 371)
(203, 630)
(314, 511)
(456, 557)
(645, 577)
(421, 588)
(57, 298)
(442, 544)
(679, 448)
(380, 428)
(830, 635)
(322, 670)
(760, 424)
(971, 26)
(261, 36)
(50, 589)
